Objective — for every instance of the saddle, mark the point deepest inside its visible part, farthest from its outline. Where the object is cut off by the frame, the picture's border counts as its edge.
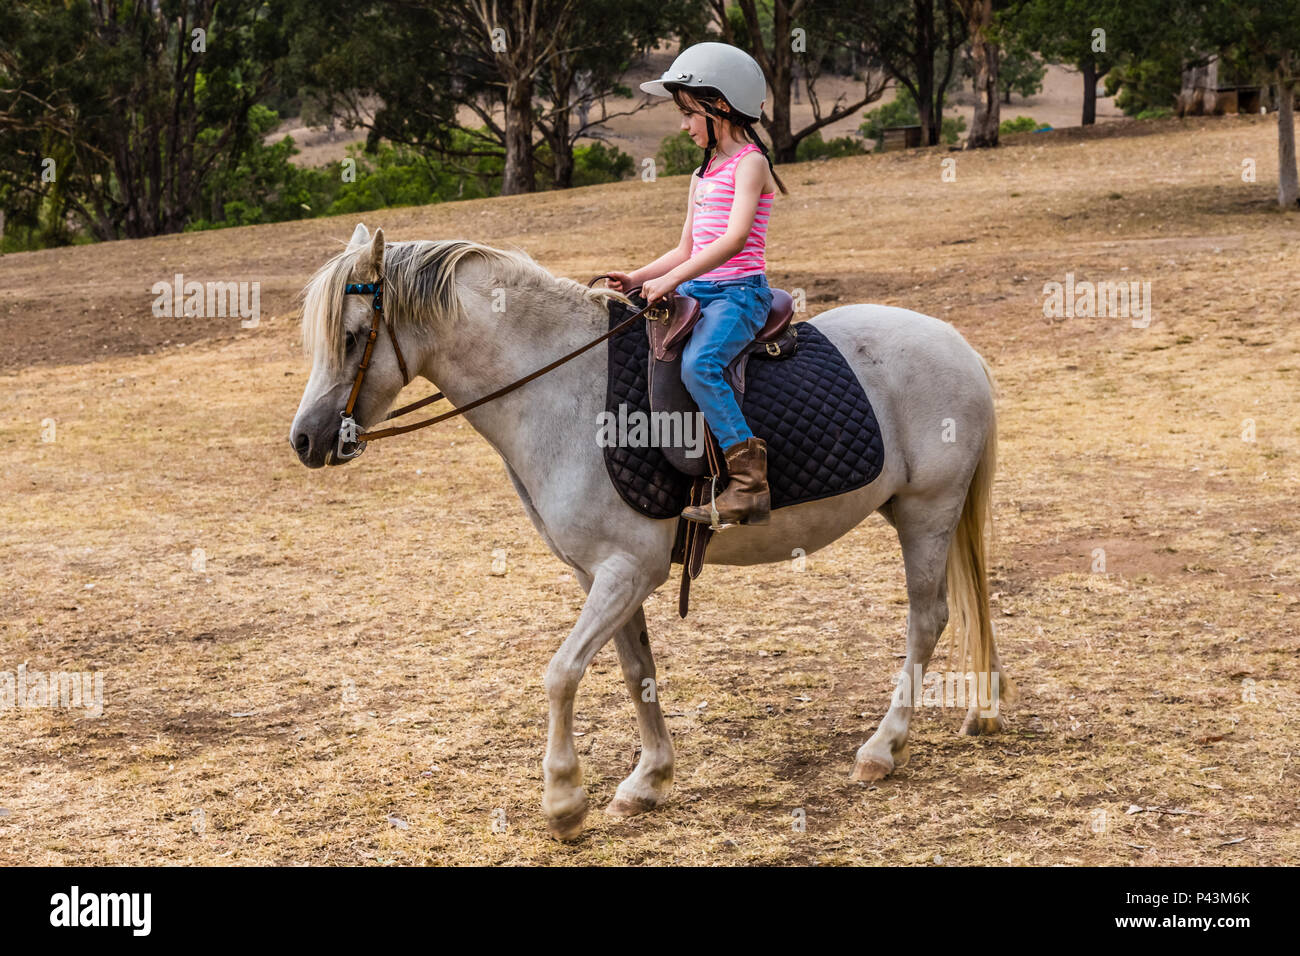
(668, 328)
(810, 409)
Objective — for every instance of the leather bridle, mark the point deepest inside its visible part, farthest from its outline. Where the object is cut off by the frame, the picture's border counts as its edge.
(348, 427)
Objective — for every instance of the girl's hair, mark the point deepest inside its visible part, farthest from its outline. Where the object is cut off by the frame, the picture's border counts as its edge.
(716, 106)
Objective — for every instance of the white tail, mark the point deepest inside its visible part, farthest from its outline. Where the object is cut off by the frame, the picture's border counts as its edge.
(968, 583)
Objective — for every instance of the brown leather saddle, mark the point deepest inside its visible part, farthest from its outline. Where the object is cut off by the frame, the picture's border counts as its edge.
(668, 327)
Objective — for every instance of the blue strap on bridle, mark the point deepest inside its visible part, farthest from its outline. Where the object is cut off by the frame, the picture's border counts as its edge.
(368, 288)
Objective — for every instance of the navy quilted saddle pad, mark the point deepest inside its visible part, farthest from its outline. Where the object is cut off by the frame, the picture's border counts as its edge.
(821, 433)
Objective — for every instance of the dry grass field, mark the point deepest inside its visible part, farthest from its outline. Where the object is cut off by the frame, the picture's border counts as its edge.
(339, 678)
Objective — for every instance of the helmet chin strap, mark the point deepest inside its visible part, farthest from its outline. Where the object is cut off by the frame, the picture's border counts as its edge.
(744, 122)
(713, 142)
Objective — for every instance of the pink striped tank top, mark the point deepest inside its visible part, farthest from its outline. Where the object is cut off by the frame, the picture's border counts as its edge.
(714, 194)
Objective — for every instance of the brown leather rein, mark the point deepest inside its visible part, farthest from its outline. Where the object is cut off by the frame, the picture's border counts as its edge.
(348, 428)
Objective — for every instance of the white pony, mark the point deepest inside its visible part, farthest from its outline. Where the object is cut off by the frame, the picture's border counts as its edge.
(931, 392)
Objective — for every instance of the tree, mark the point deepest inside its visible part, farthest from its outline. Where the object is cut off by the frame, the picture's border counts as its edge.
(508, 49)
(984, 54)
(902, 111)
(1096, 35)
(1264, 34)
(526, 69)
(121, 111)
(1288, 184)
(608, 36)
(1019, 70)
(413, 100)
(1152, 83)
(917, 41)
(809, 34)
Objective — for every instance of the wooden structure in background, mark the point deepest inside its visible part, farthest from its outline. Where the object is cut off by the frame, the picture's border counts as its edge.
(901, 137)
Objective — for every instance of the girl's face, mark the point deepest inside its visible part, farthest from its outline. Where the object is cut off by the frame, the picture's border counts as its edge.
(695, 122)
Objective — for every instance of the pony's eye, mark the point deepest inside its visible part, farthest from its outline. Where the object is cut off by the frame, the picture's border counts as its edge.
(351, 342)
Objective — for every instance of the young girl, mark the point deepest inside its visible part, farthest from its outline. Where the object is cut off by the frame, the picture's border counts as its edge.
(720, 91)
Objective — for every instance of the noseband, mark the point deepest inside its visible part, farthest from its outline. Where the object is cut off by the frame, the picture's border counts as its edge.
(348, 434)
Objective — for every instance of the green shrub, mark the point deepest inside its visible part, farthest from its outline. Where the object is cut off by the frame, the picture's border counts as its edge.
(902, 111)
(952, 128)
(1021, 124)
(599, 163)
(1155, 112)
(391, 176)
(592, 164)
(677, 155)
(813, 146)
(401, 176)
(1020, 71)
(266, 187)
(1148, 84)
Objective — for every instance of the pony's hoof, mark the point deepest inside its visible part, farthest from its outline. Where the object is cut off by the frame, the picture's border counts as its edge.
(568, 826)
(871, 769)
(977, 726)
(623, 807)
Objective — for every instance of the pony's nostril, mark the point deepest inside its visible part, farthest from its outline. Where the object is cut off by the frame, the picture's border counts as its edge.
(302, 443)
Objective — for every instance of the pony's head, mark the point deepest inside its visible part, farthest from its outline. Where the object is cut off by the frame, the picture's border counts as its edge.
(335, 328)
(432, 292)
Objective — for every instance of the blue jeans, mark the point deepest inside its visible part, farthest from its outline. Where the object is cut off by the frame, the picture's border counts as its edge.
(733, 312)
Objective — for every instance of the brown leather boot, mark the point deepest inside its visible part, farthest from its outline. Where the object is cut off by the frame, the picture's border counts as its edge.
(747, 499)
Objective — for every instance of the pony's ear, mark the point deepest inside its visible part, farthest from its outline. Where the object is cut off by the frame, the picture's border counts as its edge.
(371, 262)
(359, 237)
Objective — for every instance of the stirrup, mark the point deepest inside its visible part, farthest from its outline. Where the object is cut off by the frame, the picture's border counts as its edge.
(713, 506)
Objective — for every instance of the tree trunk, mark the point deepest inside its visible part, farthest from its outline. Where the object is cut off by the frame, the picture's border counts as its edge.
(518, 175)
(785, 70)
(585, 88)
(923, 66)
(569, 99)
(925, 110)
(562, 152)
(783, 144)
(1288, 186)
(984, 127)
(988, 104)
(780, 60)
(1089, 92)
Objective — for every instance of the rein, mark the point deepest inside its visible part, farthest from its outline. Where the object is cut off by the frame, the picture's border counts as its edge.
(348, 433)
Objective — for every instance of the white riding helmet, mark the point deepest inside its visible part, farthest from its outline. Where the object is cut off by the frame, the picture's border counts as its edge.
(728, 69)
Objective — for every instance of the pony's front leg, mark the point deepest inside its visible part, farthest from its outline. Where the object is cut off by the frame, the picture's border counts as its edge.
(651, 782)
(618, 588)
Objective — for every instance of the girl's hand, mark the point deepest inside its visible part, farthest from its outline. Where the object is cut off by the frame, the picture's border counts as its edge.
(620, 282)
(654, 289)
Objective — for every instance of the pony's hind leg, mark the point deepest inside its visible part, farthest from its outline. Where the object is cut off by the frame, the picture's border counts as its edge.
(924, 531)
(652, 781)
(981, 718)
